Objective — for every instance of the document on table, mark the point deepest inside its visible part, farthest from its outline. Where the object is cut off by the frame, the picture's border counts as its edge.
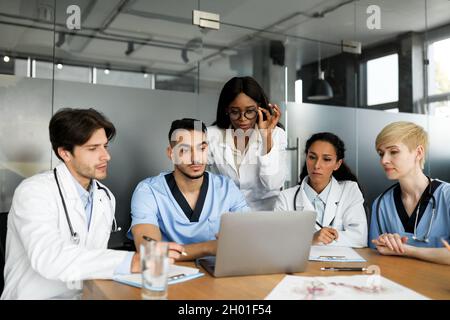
(176, 274)
(334, 254)
(359, 287)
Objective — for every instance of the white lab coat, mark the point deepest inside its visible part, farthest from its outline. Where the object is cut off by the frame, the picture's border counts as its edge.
(41, 260)
(260, 176)
(344, 210)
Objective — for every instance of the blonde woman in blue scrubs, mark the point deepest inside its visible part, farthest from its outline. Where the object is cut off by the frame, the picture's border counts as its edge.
(414, 212)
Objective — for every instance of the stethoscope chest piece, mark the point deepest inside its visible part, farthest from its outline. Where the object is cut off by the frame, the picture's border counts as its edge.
(75, 238)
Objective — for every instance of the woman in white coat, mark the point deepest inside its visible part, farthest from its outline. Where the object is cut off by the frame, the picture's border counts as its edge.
(328, 187)
(247, 143)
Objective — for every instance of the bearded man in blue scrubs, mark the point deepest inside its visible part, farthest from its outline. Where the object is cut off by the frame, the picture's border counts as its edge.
(185, 206)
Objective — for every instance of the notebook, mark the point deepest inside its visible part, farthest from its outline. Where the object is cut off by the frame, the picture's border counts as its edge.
(177, 274)
(329, 253)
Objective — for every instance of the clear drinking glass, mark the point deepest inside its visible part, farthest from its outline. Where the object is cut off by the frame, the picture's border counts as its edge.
(155, 269)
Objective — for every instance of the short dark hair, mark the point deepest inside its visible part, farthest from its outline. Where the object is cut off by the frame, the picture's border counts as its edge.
(231, 90)
(74, 127)
(344, 172)
(185, 123)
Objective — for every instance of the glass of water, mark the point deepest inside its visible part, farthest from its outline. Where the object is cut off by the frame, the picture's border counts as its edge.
(155, 269)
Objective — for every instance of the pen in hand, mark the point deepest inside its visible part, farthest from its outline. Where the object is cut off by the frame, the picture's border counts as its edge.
(325, 235)
(147, 238)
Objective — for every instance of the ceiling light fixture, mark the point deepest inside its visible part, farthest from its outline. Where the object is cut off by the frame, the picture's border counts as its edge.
(61, 39)
(195, 45)
(130, 48)
(144, 71)
(107, 69)
(320, 89)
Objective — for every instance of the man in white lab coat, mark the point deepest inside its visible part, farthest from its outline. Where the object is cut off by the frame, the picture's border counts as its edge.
(60, 220)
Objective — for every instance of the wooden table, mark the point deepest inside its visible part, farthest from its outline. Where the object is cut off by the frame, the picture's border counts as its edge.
(431, 280)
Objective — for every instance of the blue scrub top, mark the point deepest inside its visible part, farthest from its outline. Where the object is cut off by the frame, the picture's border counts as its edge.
(153, 203)
(390, 221)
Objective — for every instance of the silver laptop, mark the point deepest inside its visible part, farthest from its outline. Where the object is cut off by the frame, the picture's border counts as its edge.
(262, 243)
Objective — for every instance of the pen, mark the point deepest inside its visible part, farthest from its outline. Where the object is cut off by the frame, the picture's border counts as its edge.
(147, 238)
(321, 226)
(177, 276)
(342, 269)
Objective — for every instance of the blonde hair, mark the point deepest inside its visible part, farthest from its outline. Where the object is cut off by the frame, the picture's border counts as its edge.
(409, 133)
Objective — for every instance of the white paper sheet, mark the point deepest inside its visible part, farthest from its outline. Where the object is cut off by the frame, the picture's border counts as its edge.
(359, 287)
(179, 273)
(334, 254)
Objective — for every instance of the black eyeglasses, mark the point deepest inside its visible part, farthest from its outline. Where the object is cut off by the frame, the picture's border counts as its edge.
(249, 114)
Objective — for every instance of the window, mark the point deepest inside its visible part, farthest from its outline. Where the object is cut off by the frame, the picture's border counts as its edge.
(186, 83)
(86, 74)
(393, 110)
(21, 67)
(440, 109)
(72, 73)
(439, 69)
(382, 80)
(439, 78)
(298, 91)
(44, 70)
(124, 78)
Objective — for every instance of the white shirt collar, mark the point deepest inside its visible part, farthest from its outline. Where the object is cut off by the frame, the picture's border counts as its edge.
(312, 194)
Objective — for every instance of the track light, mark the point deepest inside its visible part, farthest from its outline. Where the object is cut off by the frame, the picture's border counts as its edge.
(61, 39)
(130, 48)
(195, 44)
(184, 56)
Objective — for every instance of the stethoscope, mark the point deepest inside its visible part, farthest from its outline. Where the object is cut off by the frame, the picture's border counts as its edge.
(433, 211)
(295, 202)
(74, 236)
(296, 195)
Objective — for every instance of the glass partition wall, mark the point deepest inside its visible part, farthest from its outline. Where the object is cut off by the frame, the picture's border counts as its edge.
(348, 67)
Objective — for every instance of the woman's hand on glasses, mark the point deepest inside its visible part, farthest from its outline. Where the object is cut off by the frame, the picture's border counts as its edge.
(271, 119)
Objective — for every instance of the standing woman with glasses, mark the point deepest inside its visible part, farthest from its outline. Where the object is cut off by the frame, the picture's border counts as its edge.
(414, 212)
(247, 143)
